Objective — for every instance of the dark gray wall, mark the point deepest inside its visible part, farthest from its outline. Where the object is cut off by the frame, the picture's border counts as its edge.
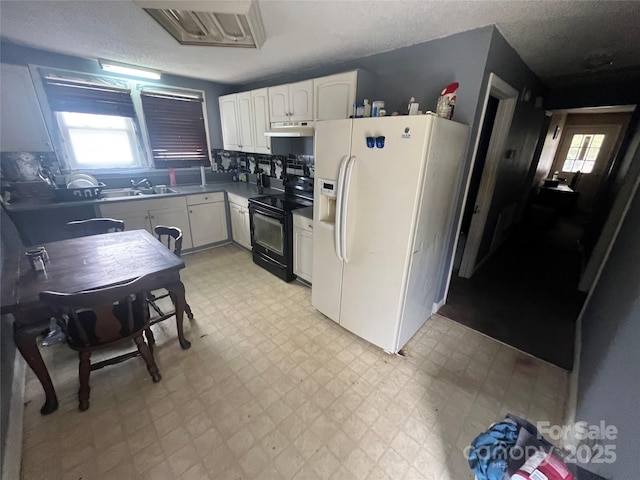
(9, 242)
(422, 71)
(21, 55)
(511, 180)
(593, 95)
(609, 383)
(7, 356)
(419, 71)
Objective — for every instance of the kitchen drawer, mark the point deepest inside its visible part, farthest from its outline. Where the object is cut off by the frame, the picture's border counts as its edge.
(205, 198)
(113, 209)
(238, 200)
(303, 222)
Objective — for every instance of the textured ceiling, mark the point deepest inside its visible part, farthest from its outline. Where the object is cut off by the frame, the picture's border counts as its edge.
(552, 37)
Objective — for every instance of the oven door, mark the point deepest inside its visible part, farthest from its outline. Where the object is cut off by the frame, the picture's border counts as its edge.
(268, 233)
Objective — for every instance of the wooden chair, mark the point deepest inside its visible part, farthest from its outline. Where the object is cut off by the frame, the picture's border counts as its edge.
(94, 226)
(97, 319)
(172, 238)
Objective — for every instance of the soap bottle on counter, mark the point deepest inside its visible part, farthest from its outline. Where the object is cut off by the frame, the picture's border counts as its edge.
(367, 108)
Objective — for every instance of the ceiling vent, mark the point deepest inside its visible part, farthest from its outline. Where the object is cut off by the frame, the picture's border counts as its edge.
(213, 23)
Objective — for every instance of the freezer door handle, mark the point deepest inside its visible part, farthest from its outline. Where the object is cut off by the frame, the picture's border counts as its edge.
(345, 206)
(337, 234)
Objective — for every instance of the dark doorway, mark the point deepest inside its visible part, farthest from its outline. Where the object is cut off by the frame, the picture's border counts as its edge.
(481, 157)
(526, 295)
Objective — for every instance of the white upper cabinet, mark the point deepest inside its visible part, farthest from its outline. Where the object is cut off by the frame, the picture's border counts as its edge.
(245, 118)
(260, 105)
(279, 103)
(301, 101)
(229, 120)
(334, 96)
(245, 122)
(291, 102)
(22, 122)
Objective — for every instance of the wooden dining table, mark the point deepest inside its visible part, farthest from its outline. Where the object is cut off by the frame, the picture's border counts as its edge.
(79, 264)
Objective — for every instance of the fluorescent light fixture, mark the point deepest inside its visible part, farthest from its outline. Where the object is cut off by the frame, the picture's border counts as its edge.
(124, 69)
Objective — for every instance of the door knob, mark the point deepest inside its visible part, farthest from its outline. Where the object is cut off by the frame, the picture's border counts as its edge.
(476, 209)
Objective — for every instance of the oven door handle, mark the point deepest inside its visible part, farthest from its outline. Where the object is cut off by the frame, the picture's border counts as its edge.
(266, 213)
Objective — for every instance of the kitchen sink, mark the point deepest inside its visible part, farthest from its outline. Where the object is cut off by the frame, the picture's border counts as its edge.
(134, 192)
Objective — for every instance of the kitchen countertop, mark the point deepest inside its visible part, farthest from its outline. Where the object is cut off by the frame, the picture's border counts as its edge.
(245, 190)
(306, 212)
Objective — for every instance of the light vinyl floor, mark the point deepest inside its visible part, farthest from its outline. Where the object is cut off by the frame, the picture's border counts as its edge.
(272, 389)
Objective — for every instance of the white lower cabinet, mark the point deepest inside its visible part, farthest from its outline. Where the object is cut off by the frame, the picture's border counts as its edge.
(240, 225)
(303, 247)
(173, 217)
(146, 214)
(208, 218)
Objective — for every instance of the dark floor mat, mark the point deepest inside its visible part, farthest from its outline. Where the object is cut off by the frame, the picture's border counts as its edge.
(526, 294)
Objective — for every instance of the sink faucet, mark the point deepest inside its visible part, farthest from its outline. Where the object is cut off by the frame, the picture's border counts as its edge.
(141, 183)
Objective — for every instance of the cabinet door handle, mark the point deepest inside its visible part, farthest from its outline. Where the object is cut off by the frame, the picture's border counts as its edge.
(190, 211)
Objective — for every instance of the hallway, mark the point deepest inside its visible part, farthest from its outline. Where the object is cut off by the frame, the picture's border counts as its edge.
(526, 294)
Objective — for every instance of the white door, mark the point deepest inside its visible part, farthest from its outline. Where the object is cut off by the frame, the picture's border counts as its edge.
(208, 223)
(380, 213)
(301, 101)
(173, 217)
(260, 106)
(247, 227)
(334, 96)
(303, 253)
(237, 224)
(245, 122)
(279, 103)
(332, 144)
(508, 97)
(229, 121)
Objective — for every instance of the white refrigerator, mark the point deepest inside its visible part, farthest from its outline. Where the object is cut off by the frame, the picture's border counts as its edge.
(382, 217)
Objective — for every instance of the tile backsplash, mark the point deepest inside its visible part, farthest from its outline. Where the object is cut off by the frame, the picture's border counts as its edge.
(274, 166)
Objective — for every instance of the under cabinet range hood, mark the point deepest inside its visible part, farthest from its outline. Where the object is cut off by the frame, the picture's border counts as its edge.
(291, 129)
(216, 23)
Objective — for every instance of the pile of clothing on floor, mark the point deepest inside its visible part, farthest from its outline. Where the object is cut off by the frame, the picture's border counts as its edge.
(513, 449)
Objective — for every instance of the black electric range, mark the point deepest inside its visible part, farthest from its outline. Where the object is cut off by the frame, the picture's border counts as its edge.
(282, 202)
(272, 226)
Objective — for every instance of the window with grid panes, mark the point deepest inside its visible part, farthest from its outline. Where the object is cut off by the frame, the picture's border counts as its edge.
(583, 153)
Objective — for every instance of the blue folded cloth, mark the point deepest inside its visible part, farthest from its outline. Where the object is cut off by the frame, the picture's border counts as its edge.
(489, 453)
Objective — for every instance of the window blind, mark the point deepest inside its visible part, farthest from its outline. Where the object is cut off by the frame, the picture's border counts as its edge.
(67, 95)
(176, 128)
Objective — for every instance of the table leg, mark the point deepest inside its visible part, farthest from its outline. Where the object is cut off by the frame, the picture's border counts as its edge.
(177, 293)
(25, 339)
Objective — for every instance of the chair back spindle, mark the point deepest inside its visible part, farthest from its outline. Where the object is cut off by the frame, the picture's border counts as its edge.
(170, 235)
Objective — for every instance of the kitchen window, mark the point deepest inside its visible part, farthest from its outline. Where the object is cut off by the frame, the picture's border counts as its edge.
(99, 141)
(176, 127)
(109, 123)
(96, 121)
